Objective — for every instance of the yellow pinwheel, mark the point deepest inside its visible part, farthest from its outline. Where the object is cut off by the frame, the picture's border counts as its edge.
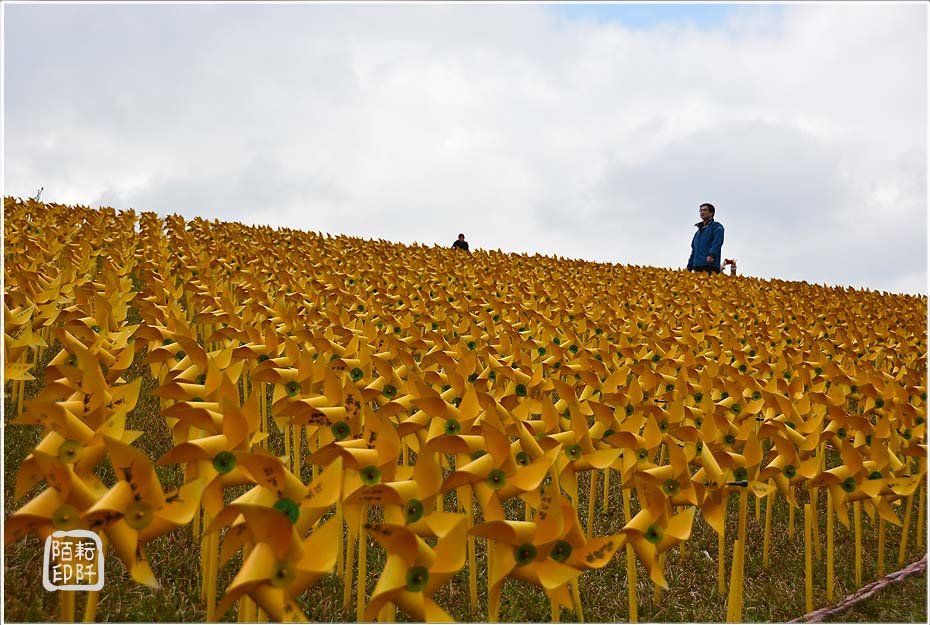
(136, 509)
(414, 571)
(281, 566)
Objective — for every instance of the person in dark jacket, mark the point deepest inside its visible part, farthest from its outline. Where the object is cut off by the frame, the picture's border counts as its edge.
(461, 243)
(707, 241)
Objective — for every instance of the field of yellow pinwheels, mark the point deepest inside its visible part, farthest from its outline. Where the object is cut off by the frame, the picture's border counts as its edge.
(275, 425)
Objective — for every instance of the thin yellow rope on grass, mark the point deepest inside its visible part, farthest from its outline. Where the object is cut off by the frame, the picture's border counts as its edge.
(866, 592)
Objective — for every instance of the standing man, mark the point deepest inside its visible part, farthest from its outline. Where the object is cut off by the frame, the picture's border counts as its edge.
(707, 241)
(461, 243)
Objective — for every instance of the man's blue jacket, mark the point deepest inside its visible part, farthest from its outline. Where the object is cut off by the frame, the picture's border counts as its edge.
(707, 241)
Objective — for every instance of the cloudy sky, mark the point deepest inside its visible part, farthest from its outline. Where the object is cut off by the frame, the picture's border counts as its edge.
(587, 131)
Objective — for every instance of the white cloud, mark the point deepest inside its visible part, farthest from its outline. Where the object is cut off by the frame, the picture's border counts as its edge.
(805, 124)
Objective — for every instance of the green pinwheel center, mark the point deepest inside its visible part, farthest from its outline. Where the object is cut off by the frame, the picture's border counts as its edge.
(556, 340)
(472, 345)
(181, 355)
(698, 397)
(360, 308)
(473, 377)
(417, 578)
(72, 360)
(356, 374)
(263, 357)
(642, 454)
(879, 403)
(523, 458)
(389, 391)
(573, 349)
(167, 341)
(292, 388)
(65, 517)
(756, 396)
(521, 390)
(729, 439)
(456, 401)
(724, 395)
(656, 358)
(340, 430)
(413, 510)
(224, 462)
(654, 534)
(524, 554)
(608, 433)
(699, 447)
(70, 451)
(288, 507)
(629, 410)
(906, 434)
(841, 433)
(496, 479)
(138, 515)
(875, 475)
(789, 471)
(282, 574)
(671, 487)
(452, 427)
(741, 474)
(371, 475)
(561, 551)
(573, 452)
(663, 426)
(736, 408)
(849, 484)
(541, 351)
(96, 328)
